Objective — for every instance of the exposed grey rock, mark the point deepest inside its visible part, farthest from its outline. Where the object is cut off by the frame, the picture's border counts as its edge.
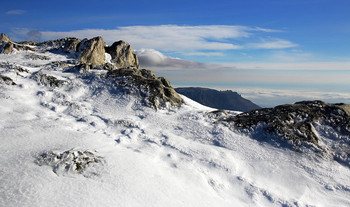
(92, 51)
(10, 47)
(4, 38)
(12, 66)
(123, 55)
(6, 48)
(298, 124)
(71, 45)
(36, 57)
(156, 91)
(31, 43)
(6, 80)
(71, 161)
(109, 66)
(67, 45)
(48, 80)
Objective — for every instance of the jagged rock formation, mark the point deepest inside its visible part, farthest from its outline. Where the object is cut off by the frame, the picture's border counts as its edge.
(4, 38)
(7, 46)
(123, 55)
(90, 54)
(227, 100)
(156, 91)
(298, 123)
(90, 51)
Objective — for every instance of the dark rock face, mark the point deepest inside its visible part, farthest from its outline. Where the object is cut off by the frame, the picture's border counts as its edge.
(156, 91)
(123, 55)
(67, 45)
(227, 100)
(48, 80)
(297, 124)
(6, 80)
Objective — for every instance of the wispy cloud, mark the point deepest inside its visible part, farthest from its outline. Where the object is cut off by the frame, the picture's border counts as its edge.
(305, 66)
(272, 44)
(183, 39)
(15, 12)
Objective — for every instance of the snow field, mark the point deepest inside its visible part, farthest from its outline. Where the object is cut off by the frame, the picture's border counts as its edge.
(169, 157)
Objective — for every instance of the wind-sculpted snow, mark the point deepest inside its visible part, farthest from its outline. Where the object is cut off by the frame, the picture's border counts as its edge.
(172, 156)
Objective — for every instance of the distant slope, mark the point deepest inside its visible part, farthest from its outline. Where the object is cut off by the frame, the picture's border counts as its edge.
(228, 100)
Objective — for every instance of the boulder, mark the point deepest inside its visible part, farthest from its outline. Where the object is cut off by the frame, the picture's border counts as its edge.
(123, 55)
(4, 38)
(91, 51)
(156, 91)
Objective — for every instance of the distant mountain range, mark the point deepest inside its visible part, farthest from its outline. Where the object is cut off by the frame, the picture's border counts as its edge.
(227, 100)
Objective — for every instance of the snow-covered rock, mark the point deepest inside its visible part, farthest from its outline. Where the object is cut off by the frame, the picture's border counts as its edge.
(173, 156)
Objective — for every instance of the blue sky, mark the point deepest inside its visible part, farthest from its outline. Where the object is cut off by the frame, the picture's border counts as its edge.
(271, 51)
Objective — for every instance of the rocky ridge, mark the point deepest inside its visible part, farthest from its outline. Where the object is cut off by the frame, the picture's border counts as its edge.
(90, 54)
(299, 125)
(156, 91)
(224, 100)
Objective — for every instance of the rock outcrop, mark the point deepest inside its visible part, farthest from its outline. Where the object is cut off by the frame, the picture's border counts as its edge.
(47, 80)
(91, 51)
(7, 46)
(301, 124)
(88, 51)
(4, 38)
(295, 121)
(123, 55)
(156, 91)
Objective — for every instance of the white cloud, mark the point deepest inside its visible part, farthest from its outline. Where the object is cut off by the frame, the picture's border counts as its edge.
(325, 66)
(273, 97)
(180, 39)
(272, 44)
(155, 60)
(15, 12)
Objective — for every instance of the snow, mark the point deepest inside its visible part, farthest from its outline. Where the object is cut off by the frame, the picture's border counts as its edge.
(169, 157)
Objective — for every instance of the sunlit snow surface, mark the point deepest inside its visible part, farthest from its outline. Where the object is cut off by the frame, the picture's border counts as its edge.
(169, 157)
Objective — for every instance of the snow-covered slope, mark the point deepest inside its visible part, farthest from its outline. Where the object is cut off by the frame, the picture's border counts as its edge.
(139, 156)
